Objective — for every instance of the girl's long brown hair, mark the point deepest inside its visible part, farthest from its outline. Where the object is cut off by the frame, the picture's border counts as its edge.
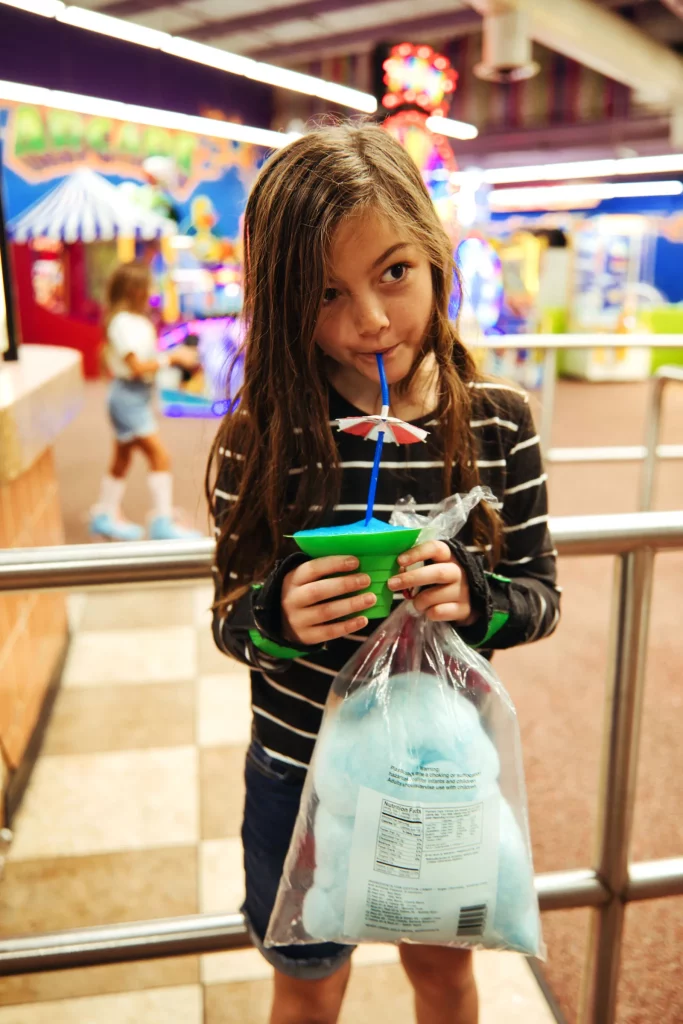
(300, 198)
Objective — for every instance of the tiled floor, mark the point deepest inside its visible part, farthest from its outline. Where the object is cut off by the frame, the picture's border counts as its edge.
(134, 812)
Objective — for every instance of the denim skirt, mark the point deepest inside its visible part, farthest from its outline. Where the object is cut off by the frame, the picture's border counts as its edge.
(130, 409)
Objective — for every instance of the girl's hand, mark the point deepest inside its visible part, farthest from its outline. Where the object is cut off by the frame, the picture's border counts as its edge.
(313, 597)
(447, 598)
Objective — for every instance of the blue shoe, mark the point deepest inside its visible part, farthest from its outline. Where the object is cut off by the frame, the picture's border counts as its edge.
(103, 524)
(165, 528)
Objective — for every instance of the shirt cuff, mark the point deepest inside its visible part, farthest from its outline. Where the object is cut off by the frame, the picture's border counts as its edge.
(488, 597)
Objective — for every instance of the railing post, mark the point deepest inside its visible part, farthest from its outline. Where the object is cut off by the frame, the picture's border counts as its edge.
(621, 730)
(548, 398)
(652, 427)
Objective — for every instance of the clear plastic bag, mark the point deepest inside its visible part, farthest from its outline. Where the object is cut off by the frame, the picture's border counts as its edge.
(413, 822)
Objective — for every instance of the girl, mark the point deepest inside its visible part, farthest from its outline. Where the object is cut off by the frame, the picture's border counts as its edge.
(346, 257)
(132, 359)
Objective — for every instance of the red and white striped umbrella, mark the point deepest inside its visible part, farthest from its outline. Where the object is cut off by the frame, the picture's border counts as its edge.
(370, 427)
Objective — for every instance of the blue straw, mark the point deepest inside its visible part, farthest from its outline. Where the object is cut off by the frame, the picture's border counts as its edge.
(378, 447)
(382, 379)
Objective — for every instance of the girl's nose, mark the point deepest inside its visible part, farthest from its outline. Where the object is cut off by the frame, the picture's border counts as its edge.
(370, 317)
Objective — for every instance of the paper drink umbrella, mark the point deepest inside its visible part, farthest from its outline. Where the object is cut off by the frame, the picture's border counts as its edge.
(377, 545)
(393, 429)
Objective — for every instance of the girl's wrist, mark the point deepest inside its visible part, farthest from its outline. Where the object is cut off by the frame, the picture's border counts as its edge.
(163, 360)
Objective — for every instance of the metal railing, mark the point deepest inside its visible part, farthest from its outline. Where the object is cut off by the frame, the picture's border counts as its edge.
(632, 538)
(550, 344)
(653, 449)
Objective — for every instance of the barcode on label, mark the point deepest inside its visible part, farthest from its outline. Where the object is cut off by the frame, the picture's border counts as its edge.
(472, 919)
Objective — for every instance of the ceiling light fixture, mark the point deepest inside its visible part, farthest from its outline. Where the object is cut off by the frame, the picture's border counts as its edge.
(19, 93)
(130, 31)
(578, 196)
(270, 74)
(452, 129)
(212, 56)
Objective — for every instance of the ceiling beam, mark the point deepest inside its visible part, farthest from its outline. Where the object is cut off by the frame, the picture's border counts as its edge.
(599, 39)
(453, 24)
(271, 17)
(492, 148)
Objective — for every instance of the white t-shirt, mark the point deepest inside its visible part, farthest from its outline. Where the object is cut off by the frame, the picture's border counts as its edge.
(130, 334)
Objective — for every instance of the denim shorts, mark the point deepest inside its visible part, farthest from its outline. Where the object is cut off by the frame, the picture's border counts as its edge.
(130, 409)
(273, 794)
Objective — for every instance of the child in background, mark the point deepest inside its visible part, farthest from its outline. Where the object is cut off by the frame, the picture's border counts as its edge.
(131, 357)
(345, 258)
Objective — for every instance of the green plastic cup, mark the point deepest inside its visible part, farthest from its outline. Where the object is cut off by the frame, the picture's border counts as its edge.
(377, 553)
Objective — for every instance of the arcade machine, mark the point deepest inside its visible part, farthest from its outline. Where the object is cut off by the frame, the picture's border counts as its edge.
(613, 262)
(208, 392)
(198, 298)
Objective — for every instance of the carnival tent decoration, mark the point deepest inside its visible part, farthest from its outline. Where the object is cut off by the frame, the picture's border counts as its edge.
(86, 207)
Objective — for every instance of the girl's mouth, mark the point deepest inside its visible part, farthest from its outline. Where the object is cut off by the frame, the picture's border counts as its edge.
(372, 356)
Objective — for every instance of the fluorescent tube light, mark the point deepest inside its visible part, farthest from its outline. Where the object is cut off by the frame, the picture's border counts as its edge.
(130, 31)
(577, 196)
(17, 92)
(212, 56)
(309, 85)
(667, 163)
(283, 78)
(80, 104)
(453, 129)
(188, 49)
(47, 8)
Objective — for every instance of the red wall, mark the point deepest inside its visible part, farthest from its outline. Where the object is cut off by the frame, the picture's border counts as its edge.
(38, 326)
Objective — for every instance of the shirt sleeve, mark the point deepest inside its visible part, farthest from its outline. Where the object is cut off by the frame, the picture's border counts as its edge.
(523, 590)
(129, 334)
(256, 611)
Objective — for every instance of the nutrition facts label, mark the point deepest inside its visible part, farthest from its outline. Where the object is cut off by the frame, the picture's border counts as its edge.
(410, 834)
(427, 870)
(400, 840)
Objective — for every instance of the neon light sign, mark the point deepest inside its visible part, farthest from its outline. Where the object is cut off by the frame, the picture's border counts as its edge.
(416, 74)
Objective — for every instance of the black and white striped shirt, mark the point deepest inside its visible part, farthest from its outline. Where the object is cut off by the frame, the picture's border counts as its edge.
(288, 697)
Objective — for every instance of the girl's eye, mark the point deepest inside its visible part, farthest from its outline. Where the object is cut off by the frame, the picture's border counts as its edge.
(396, 272)
(329, 295)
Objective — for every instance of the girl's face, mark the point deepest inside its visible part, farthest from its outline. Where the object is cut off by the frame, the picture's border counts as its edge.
(378, 298)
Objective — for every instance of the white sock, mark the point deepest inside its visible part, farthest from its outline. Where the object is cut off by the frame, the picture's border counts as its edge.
(111, 494)
(161, 487)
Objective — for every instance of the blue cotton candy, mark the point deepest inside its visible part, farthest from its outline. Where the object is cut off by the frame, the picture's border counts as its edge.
(322, 913)
(353, 752)
(516, 917)
(420, 724)
(429, 736)
(443, 725)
